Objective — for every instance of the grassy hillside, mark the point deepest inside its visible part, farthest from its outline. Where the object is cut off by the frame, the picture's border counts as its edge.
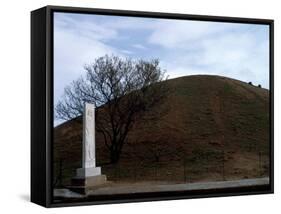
(214, 128)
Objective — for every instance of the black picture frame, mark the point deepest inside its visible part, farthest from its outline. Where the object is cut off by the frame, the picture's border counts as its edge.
(42, 109)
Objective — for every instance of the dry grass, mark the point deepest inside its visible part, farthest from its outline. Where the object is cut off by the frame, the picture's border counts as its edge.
(215, 128)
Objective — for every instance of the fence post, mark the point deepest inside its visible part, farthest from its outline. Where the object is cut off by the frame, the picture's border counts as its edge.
(155, 172)
(135, 162)
(260, 164)
(60, 173)
(184, 170)
(223, 175)
(135, 172)
(118, 171)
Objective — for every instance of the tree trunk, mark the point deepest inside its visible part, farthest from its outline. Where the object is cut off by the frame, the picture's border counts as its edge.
(114, 156)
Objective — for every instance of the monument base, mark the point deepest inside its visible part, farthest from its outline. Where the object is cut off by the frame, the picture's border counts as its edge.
(87, 179)
(83, 185)
(88, 172)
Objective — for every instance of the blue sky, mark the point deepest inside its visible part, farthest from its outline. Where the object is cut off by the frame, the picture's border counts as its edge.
(239, 51)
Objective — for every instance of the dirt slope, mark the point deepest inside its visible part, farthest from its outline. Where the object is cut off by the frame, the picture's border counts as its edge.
(214, 128)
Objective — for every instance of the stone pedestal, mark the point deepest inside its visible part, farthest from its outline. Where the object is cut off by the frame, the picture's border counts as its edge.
(83, 185)
(93, 181)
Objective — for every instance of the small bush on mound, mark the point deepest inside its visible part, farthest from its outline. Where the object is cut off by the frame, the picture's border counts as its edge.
(259, 86)
(250, 83)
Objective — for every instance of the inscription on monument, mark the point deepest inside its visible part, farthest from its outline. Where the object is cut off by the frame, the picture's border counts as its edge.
(89, 159)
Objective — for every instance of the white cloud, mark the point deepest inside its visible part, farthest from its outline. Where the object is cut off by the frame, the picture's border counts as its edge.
(232, 50)
(73, 49)
(86, 27)
(139, 46)
(176, 34)
(127, 52)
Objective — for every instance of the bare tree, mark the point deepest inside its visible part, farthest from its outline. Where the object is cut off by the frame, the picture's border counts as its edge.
(121, 89)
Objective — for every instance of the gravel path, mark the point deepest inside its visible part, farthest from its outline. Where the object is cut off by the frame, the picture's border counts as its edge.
(125, 188)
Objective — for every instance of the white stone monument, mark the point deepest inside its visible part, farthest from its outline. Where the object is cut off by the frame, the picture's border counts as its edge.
(89, 175)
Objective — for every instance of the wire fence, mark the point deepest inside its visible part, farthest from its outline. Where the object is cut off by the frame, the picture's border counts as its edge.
(187, 170)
